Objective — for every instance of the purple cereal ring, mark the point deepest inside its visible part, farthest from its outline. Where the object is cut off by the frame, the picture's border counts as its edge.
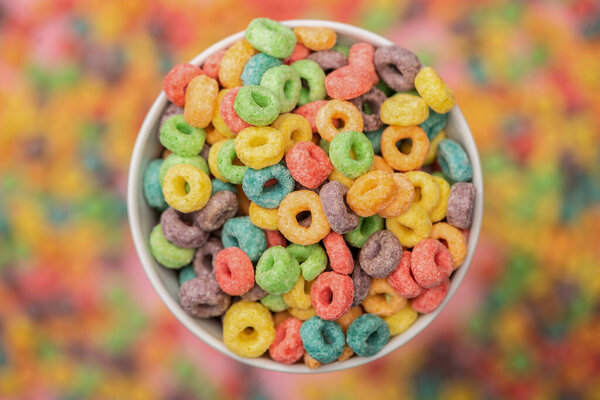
(204, 257)
(380, 254)
(373, 99)
(178, 229)
(254, 294)
(220, 207)
(361, 282)
(204, 151)
(202, 297)
(397, 67)
(460, 205)
(340, 217)
(329, 60)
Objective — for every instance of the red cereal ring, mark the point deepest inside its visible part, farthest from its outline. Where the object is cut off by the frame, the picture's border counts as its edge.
(287, 347)
(332, 295)
(234, 271)
(361, 57)
(402, 279)
(431, 263)
(232, 120)
(308, 164)
(300, 52)
(348, 82)
(309, 111)
(211, 65)
(431, 298)
(275, 238)
(177, 80)
(339, 254)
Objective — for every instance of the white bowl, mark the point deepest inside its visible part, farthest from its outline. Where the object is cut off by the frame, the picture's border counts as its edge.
(142, 218)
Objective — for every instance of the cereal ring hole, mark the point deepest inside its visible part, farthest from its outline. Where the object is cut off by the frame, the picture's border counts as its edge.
(404, 145)
(367, 108)
(248, 334)
(260, 99)
(373, 338)
(183, 128)
(302, 215)
(271, 182)
(326, 296)
(257, 141)
(288, 88)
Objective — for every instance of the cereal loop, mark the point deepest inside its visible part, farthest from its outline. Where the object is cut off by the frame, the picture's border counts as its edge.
(394, 157)
(332, 295)
(217, 120)
(314, 77)
(367, 335)
(256, 105)
(285, 83)
(268, 196)
(287, 347)
(404, 110)
(380, 254)
(312, 259)
(200, 101)
(226, 157)
(174, 188)
(248, 329)
(327, 116)
(295, 127)
(308, 164)
(371, 102)
(316, 38)
(299, 296)
(402, 320)
(340, 256)
(431, 298)
(404, 194)
(211, 65)
(411, 227)
(323, 340)
(271, 37)
(371, 193)
(233, 62)
(260, 147)
(383, 299)
(402, 279)
(346, 144)
(340, 218)
(277, 271)
(292, 205)
(264, 218)
(177, 80)
(434, 91)
(348, 82)
(461, 201)
(234, 271)
(454, 161)
(366, 227)
(232, 120)
(397, 67)
(310, 111)
(240, 232)
(181, 138)
(427, 191)
(431, 263)
(166, 253)
(439, 212)
(454, 240)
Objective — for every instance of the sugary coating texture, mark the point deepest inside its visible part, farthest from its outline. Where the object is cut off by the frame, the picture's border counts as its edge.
(202, 297)
(371, 193)
(366, 227)
(316, 37)
(205, 256)
(315, 79)
(295, 127)
(287, 347)
(177, 81)
(379, 164)
(339, 153)
(177, 229)
(151, 186)
(257, 105)
(439, 212)
(243, 341)
(234, 271)
(397, 67)
(345, 320)
(292, 205)
(174, 188)
(275, 238)
(300, 52)
(185, 274)
(430, 299)
(337, 176)
(255, 185)
(323, 340)
(166, 253)
(433, 145)
(277, 271)
(254, 294)
(340, 256)
(434, 91)
(213, 135)
(260, 147)
(411, 227)
(332, 295)
(220, 207)
(340, 217)
(299, 296)
(431, 263)
(211, 65)
(383, 300)
(302, 313)
(454, 161)
(360, 56)
(346, 354)
(375, 139)
(461, 201)
(454, 240)
(285, 83)
(308, 164)
(380, 254)
(328, 114)
(427, 188)
(175, 159)
(404, 109)
(401, 321)
(348, 82)
(240, 232)
(372, 100)
(225, 163)
(280, 316)
(404, 194)
(367, 335)
(232, 121)
(310, 362)
(180, 137)
(328, 60)
(394, 157)
(213, 155)
(361, 282)
(274, 302)
(256, 66)
(312, 260)
(310, 111)
(200, 101)
(264, 218)
(434, 124)
(233, 62)
(402, 279)
(271, 37)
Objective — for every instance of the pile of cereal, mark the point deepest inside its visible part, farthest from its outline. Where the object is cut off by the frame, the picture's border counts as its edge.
(298, 194)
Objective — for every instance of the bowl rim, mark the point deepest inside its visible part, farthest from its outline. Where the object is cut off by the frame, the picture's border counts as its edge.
(140, 240)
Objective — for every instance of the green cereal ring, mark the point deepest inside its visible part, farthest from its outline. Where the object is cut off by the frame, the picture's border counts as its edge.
(274, 302)
(345, 50)
(166, 253)
(233, 173)
(180, 137)
(285, 83)
(277, 271)
(324, 144)
(366, 227)
(175, 159)
(314, 76)
(256, 105)
(152, 190)
(339, 153)
(271, 37)
(312, 259)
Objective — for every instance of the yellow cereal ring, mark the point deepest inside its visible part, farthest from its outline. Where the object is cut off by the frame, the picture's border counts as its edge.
(334, 110)
(280, 316)
(346, 354)
(434, 91)
(248, 329)
(455, 241)
(243, 201)
(233, 62)
(299, 296)
(260, 146)
(370, 193)
(427, 191)
(394, 157)
(402, 320)
(217, 119)
(411, 227)
(213, 154)
(200, 101)
(379, 164)
(303, 313)
(382, 299)
(174, 188)
(264, 218)
(292, 205)
(213, 135)
(336, 175)
(311, 362)
(404, 194)
(315, 37)
(404, 110)
(433, 144)
(295, 127)
(439, 212)
(346, 320)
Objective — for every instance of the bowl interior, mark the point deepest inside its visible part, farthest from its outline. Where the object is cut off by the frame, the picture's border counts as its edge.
(142, 218)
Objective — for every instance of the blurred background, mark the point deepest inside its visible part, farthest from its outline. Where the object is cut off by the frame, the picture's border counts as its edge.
(78, 317)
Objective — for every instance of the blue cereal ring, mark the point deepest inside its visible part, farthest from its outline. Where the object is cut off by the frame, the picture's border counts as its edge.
(268, 197)
(434, 124)
(256, 66)
(367, 335)
(152, 190)
(240, 232)
(323, 340)
(375, 138)
(186, 273)
(219, 186)
(454, 161)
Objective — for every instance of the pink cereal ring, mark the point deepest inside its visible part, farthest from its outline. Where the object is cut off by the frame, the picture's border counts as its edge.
(361, 57)
(308, 164)
(287, 347)
(300, 52)
(232, 120)
(275, 238)
(431, 298)
(234, 271)
(331, 295)
(177, 80)
(431, 263)
(211, 65)
(338, 253)
(348, 82)
(402, 279)
(309, 111)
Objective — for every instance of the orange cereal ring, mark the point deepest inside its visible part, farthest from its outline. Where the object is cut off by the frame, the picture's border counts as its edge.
(379, 164)
(370, 193)
(174, 188)
(315, 37)
(394, 157)
(295, 127)
(213, 135)
(200, 101)
(453, 239)
(217, 119)
(404, 194)
(292, 205)
(411, 227)
(328, 115)
(233, 62)
(382, 299)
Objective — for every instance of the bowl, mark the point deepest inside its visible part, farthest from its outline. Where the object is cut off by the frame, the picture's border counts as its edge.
(142, 218)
